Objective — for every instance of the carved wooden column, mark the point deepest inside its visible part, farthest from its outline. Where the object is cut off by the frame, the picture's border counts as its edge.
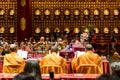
(24, 19)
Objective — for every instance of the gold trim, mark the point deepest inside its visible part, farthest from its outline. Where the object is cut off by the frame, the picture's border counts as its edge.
(23, 3)
(23, 23)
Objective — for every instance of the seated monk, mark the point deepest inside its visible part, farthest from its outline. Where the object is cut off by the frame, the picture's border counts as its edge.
(88, 58)
(13, 63)
(54, 60)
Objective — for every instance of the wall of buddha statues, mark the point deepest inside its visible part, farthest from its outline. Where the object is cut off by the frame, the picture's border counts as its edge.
(49, 15)
(8, 19)
(44, 17)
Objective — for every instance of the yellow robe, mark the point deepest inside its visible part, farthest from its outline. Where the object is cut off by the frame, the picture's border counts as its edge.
(13, 63)
(53, 59)
(88, 58)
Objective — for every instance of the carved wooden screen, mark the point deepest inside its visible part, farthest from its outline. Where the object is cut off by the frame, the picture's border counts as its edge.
(8, 19)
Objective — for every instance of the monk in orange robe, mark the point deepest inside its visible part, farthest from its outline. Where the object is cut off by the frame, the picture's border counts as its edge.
(13, 63)
(54, 60)
(89, 58)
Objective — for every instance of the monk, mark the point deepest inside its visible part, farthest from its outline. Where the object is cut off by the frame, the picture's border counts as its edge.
(54, 59)
(13, 63)
(88, 58)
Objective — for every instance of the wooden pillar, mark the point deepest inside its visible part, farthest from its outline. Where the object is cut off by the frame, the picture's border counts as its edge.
(24, 19)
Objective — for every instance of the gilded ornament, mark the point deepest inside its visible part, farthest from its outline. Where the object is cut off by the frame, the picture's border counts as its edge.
(23, 3)
(23, 23)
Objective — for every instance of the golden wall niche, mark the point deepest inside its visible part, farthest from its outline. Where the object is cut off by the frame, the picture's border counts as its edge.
(12, 30)
(116, 30)
(96, 30)
(2, 29)
(37, 12)
(96, 12)
(57, 29)
(11, 12)
(37, 30)
(116, 12)
(106, 30)
(47, 30)
(76, 30)
(77, 13)
(67, 30)
(2, 11)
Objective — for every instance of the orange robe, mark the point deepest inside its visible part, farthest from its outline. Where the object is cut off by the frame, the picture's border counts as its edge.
(53, 59)
(13, 63)
(88, 58)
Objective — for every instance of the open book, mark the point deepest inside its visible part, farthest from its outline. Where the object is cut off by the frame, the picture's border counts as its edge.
(22, 53)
